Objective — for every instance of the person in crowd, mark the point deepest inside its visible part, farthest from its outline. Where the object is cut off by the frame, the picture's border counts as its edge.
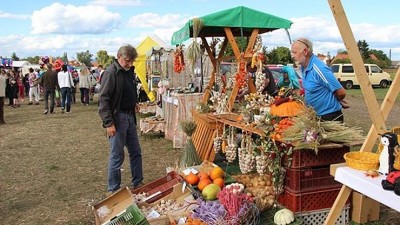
(8, 87)
(65, 83)
(117, 108)
(21, 91)
(288, 79)
(84, 85)
(13, 79)
(100, 69)
(33, 87)
(323, 92)
(25, 81)
(2, 95)
(270, 87)
(94, 76)
(75, 78)
(49, 81)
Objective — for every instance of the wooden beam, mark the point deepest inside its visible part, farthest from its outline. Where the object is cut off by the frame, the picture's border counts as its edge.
(386, 107)
(338, 205)
(232, 41)
(358, 64)
(249, 50)
(222, 50)
(209, 52)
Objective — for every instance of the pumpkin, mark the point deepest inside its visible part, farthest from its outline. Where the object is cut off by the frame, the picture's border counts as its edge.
(283, 217)
(287, 109)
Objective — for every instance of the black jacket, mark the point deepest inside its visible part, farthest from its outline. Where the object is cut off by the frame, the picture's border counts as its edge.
(111, 92)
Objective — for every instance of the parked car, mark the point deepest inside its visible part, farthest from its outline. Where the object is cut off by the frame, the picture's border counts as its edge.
(347, 77)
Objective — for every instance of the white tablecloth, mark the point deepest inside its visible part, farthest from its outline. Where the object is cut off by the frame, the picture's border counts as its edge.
(371, 187)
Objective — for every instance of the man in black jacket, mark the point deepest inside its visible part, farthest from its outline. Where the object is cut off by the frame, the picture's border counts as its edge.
(49, 81)
(117, 107)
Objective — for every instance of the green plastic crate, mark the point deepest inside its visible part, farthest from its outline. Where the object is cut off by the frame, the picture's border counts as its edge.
(131, 216)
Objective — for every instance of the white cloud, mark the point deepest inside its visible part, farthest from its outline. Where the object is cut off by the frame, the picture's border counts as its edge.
(70, 19)
(152, 20)
(116, 2)
(325, 35)
(13, 16)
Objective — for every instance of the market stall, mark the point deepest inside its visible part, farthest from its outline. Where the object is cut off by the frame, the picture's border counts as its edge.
(225, 25)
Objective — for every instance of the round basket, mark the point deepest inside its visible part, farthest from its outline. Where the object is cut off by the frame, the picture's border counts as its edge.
(362, 160)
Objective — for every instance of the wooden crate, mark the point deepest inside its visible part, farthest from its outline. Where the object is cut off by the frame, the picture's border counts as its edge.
(203, 137)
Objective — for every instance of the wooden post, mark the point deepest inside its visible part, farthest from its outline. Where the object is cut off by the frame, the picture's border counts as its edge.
(358, 65)
(378, 115)
(386, 107)
(364, 208)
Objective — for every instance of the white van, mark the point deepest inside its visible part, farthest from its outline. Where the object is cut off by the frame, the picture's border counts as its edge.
(345, 74)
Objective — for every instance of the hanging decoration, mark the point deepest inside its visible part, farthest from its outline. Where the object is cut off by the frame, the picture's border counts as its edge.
(194, 50)
(179, 61)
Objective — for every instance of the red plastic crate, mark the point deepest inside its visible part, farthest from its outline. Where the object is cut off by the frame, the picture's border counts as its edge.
(164, 185)
(307, 201)
(309, 179)
(326, 156)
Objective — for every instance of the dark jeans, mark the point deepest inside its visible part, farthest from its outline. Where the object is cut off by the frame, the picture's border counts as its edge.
(335, 116)
(66, 98)
(84, 95)
(49, 93)
(2, 110)
(126, 135)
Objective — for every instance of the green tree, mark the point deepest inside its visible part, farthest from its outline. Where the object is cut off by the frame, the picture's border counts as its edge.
(382, 61)
(32, 60)
(103, 58)
(85, 58)
(363, 47)
(242, 45)
(279, 55)
(64, 57)
(14, 57)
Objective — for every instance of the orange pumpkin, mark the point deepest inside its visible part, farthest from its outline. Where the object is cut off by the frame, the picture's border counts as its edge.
(192, 179)
(287, 109)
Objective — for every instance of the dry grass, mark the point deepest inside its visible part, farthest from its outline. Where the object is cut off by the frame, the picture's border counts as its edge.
(53, 167)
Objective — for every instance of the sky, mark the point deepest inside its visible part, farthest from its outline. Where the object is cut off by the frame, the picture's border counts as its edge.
(52, 28)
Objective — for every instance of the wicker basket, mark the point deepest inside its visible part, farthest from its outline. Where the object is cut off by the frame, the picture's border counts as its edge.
(362, 160)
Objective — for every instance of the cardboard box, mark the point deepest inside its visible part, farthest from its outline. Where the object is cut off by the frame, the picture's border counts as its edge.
(115, 205)
(180, 194)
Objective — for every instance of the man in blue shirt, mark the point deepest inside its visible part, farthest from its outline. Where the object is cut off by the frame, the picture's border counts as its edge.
(323, 92)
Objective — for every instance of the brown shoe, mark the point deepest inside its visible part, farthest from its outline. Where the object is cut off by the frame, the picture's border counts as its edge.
(30, 103)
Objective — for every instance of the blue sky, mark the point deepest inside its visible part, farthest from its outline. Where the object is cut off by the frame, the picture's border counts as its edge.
(49, 28)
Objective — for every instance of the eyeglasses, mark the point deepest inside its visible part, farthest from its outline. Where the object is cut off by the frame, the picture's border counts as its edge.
(303, 43)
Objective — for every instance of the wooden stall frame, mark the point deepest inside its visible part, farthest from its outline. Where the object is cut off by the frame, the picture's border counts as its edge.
(229, 37)
(378, 115)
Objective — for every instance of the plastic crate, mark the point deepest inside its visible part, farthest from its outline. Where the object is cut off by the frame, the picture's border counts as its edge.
(118, 208)
(308, 201)
(326, 156)
(131, 216)
(163, 185)
(319, 217)
(309, 179)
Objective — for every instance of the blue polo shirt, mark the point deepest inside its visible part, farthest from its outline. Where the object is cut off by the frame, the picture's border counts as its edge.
(319, 83)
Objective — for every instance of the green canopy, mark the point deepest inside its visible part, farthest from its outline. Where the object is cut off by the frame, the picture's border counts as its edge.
(241, 20)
